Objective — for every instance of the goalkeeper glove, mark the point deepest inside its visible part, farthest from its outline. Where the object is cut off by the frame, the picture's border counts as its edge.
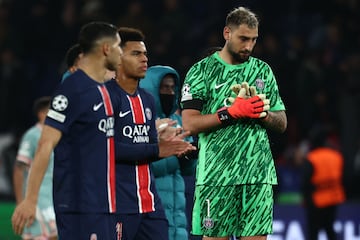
(249, 91)
(246, 105)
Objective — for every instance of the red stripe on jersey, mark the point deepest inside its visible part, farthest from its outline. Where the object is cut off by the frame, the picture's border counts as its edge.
(137, 109)
(145, 196)
(107, 102)
(110, 152)
(143, 178)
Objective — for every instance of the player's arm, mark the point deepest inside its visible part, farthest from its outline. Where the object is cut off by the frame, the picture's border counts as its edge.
(242, 107)
(25, 212)
(149, 152)
(195, 122)
(133, 153)
(49, 138)
(275, 121)
(18, 180)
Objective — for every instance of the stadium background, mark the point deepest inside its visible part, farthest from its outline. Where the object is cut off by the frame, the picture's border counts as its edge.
(312, 46)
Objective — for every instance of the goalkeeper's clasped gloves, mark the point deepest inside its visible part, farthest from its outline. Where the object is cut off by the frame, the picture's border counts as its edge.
(247, 104)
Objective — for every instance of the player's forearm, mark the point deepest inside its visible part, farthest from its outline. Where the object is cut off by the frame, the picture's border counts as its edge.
(196, 123)
(18, 182)
(275, 121)
(38, 169)
(135, 153)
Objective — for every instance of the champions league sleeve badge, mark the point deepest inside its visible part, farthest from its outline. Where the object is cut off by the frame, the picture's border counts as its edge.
(208, 222)
(60, 103)
(186, 95)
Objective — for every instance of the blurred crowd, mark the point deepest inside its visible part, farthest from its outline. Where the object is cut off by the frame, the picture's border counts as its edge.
(313, 48)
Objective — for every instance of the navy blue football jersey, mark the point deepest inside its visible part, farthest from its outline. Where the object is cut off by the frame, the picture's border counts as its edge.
(136, 146)
(84, 163)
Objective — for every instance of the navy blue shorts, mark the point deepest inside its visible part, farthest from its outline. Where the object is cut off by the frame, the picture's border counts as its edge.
(86, 226)
(145, 226)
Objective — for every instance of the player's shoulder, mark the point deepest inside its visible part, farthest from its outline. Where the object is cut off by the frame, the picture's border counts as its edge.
(145, 94)
(32, 133)
(257, 61)
(111, 84)
(201, 67)
(77, 82)
(205, 60)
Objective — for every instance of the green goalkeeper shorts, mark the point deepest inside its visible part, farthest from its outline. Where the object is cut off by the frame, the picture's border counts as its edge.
(240, 210)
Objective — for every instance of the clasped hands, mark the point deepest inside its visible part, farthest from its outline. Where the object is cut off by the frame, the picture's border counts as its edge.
(247, 103)
(171, 139)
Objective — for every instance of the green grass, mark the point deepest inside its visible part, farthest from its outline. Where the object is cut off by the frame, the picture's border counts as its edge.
(289, 198)
(6, 210)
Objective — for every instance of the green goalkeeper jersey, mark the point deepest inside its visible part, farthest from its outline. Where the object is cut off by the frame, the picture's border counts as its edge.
(239, 153)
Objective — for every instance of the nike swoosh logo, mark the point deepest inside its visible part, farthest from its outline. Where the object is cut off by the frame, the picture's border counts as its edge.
(123, 114)
(97, 106)
(219, 86)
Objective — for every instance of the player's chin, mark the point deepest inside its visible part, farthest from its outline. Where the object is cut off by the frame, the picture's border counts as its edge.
(244, 56)
(141, 75)
(142, 71)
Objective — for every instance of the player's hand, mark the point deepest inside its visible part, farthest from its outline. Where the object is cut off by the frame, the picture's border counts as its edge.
(175, 147)
(167, 128)
(161, 122)
(250, 91)
(24, 215)
(247, 104)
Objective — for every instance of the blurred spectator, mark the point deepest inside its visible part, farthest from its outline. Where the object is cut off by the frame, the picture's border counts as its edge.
(44, 225)
(322, 184)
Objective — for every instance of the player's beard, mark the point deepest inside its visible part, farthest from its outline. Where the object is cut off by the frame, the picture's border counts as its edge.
(239, 57)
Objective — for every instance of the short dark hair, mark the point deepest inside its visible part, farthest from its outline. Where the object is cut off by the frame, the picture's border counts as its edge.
(242, 15)
(41, 104)
(91, 32)
(130, 34)
(72, 54)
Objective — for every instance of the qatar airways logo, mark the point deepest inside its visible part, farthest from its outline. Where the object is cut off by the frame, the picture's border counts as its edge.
(138, 133)
(107, 126)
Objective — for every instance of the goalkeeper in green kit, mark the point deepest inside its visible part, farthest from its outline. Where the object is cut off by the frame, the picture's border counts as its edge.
(231, 100)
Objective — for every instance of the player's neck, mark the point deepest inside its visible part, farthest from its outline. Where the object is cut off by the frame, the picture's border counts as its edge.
(225, 56)
(129, 85)
(228, 58)
(93, 68)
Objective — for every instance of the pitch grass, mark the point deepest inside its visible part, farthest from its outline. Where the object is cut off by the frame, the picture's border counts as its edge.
(6, 232)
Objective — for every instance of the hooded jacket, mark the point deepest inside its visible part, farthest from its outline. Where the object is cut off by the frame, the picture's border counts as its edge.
(168, 171)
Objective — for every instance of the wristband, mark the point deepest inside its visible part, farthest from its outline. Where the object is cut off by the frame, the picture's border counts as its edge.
(224, 117)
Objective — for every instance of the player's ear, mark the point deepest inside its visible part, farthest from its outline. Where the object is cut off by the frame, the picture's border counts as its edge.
(106, 48)
(226, 33)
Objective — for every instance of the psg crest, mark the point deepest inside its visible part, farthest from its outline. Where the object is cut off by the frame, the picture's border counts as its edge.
(259, 84)
(208, 223)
